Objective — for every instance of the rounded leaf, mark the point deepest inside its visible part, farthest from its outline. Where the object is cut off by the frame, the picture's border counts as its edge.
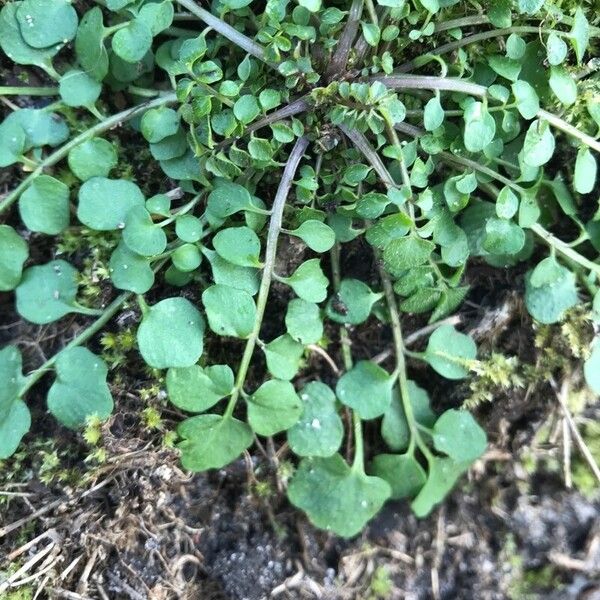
(303, 321)
(44, 205)
(13, 254)
(94, 158)
(403, 473)
(159, 123)
(316, 235)
(450, 352)
(457, 434)
(197, 389)
(273, 407)
(352, 303)
(130, 271)
(78, 88)
(141, 235)
(230, 311)
(132, 42)
(45, 23)
(239, 246)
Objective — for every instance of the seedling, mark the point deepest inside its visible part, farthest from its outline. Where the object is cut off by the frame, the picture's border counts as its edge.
(322, 124)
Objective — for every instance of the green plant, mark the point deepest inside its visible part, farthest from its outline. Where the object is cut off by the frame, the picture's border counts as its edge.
(410, 162)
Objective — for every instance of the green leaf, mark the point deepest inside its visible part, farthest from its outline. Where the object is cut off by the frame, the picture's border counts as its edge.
(230, 311)
(529, 7)
(433, 114)
(13, 254)
(79, 89)
(158, 16)
(507, 204)
(273, 407)
(591, 368)
(394, 426)
(366, 388)
(406, 253)
(227, 199)
(450, 352)
(303, 321)
(320, 431)
(352, 303)
(502, 236)
(550, 290)
(334, 496)
(160, 204)
(239, 246)
(505, 67)
(89, 45)
(47, 292)
(104, 203)
(41, 127)
(308, 281)
(172, 147)
(197, 389)
(12, 143)
(212, 441)
(80, 389)
(241, 278)
(283, 357)
(403, 473)
(130, 271)
(580, 34)
(45, 23)
(539, 143)
(159, 123)
(457, 434)
(316, 235)
(44, 205)
(171, 334)
(15, 419)
(188, 228)
(186, 258)
(132, 42)
(563, 85)
(313, 6)
(15, 46)
(480, 127)
(246, 109)
(94, 158)
(499, 13)
(443, 474)
(141, 235)
(556, 49)
(586, 170)
(528, 103)
(371, 33)
(388, 228)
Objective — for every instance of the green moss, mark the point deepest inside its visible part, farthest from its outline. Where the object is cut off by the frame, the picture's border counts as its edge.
(381, 585)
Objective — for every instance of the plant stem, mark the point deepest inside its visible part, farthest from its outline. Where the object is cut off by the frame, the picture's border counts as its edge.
(569, 129)
(226, 30)
(270, 255)
(340, 58)
(28, 91)
(430, 82)
(97, 129)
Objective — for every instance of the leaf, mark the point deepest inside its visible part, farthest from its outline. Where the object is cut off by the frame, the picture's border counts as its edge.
(172, 147)
(366, 388)
(303, 321)
(591, 368)
(394, 426)
(450, 352)
(79, 89)
(241, 278)
(457, 434)
(580, 34)
(586, 170)
(160, 204)
(212, 441)
(15, 419)
(502, 236)
(246, 109)
(388, 228)
(132, 42)
(528, 103)
(171, 334)
(539, 143)
(227, 199)
(14, 45)
(406, 253)
(334, 496)
(44, 205)
(433, 114)
(197, 389)
(41, 127)
(320, 431)
(80, 389)
(353, 302)
(186, 258)
(13, 254)
(230, 311)
(316, 235)
(239, 246)
(403, 473)
(507, 204)
(563, 85)
(141, 234)
(45, 23)
(313, 6)
(283, 356)
(89, 45)
(529, 7)
(159, 123)
(158, 16)
(130, 271)
(308, 281)
(556, 49)
(550, 291)
(480, 127)
(94, 158)
(12, 143)
(47, 292)
(273, 407)
(104, 203)
(443, 474)
(188, 228)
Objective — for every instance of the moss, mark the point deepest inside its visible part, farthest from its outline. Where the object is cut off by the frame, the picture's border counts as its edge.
(381, 585)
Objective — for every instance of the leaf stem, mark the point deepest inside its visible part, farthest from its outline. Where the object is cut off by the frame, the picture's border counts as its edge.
(8, 90)
(97, 129)
(269, 264)
(344, 45)
(430, 82)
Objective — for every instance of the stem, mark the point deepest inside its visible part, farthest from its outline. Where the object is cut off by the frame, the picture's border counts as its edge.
(372, 12)
(270, 255)
(226, 30)
(28, 91)
(569, 129)
(430, 82)
(340, 58)
(358, 464)
(101, 127)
